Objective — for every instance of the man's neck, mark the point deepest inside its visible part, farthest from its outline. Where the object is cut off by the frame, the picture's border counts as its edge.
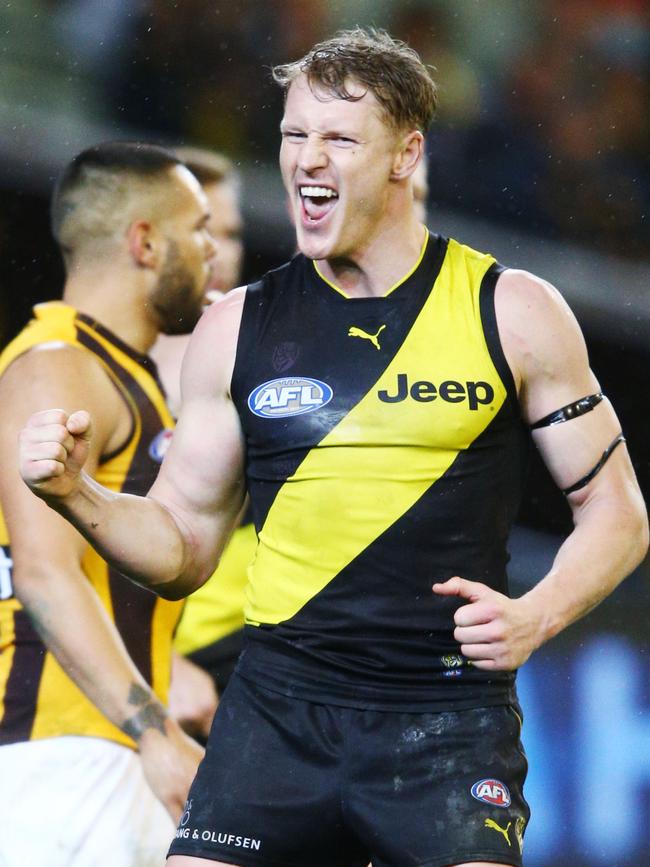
(387, 259)
(113, 300)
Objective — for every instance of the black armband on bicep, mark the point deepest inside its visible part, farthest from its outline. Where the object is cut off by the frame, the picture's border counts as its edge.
(571, 410)
(594, 472)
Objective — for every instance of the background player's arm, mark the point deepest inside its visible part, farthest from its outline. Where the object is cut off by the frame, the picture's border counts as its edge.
(48, 579)
(193, 697)
(547, 354)
(170, 540)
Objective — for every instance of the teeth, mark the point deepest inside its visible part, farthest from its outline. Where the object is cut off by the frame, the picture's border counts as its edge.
(317, 192)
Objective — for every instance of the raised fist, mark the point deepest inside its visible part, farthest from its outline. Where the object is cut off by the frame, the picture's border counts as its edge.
(53, 449)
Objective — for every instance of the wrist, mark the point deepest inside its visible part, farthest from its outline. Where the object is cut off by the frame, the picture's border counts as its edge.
(72, 501)
(539, 614)
(148, 715)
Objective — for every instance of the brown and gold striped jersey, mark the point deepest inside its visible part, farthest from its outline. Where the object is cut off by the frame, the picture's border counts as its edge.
(37, 698)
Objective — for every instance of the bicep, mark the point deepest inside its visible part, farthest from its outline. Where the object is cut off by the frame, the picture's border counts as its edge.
(574, 449)
(202, 471)
(201, 481)
(547, 348)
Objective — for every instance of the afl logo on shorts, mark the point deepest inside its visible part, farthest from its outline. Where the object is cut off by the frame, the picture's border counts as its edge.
(492, 792)
(292, 395)
(159, 445)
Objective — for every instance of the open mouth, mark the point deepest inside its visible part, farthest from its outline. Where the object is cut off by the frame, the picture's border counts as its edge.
(317, 202)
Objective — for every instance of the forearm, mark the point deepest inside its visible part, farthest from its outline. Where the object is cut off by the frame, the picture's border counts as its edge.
(138, 536)
(609, 540)
(92, 653)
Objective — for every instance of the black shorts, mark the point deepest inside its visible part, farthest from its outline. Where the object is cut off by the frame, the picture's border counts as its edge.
(220, 658)
(291, 783)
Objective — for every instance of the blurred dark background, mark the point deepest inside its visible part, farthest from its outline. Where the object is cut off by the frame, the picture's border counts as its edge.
(540, 155)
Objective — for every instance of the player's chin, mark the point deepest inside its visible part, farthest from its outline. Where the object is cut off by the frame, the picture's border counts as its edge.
(183, 323)
(314, 247)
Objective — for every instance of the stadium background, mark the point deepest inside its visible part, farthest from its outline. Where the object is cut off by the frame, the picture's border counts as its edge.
(541, 155)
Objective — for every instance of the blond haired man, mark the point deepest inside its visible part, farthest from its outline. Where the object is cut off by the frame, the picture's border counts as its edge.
(370, 396)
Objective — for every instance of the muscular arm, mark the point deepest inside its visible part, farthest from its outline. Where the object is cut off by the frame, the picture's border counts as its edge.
(610, 535)
(170, 540)
(547, 354)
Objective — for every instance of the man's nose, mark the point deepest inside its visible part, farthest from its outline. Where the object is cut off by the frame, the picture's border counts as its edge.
(312, 154)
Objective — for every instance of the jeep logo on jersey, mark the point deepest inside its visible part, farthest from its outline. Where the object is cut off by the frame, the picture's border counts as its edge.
(292, 395)
(450, 391)
(492, 792)
(159, 445)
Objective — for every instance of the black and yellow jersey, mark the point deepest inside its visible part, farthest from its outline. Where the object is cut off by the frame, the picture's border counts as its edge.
(385, 451)
(37, 698)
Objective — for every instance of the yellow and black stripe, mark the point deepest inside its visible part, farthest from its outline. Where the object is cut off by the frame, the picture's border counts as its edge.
(37, 698)
(407, 472)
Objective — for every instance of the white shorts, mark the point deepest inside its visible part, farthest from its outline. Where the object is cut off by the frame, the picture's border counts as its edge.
(78, 802)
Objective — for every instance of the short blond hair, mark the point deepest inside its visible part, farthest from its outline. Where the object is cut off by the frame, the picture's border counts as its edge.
(387, 67)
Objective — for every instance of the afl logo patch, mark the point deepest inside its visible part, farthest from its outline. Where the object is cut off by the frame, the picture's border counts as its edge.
(292, 395)
(492, 792)
(159, 445)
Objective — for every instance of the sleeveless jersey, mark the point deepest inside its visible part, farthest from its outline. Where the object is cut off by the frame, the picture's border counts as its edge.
(37, 698)
(385, 451)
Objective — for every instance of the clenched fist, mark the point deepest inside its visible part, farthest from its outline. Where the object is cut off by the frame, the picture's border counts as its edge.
(53, 451)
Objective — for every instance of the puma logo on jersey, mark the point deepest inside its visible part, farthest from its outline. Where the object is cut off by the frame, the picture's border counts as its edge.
(373, 338)
(490, 823)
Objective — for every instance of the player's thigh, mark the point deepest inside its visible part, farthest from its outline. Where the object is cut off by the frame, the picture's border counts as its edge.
(440, 788)
(268, 791)
(190, 861)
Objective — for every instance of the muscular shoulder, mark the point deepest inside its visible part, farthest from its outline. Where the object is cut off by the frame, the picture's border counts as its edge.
(541, 338)
(210, 357)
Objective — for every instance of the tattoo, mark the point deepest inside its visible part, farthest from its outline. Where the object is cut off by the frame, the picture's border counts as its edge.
(150, 715)
(94, 525)
(138, 694)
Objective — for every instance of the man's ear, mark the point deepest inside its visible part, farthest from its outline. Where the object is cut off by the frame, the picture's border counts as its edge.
(408, 156)
(142, 244)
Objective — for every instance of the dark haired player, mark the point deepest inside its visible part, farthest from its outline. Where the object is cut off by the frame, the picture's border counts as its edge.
(86, 742)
